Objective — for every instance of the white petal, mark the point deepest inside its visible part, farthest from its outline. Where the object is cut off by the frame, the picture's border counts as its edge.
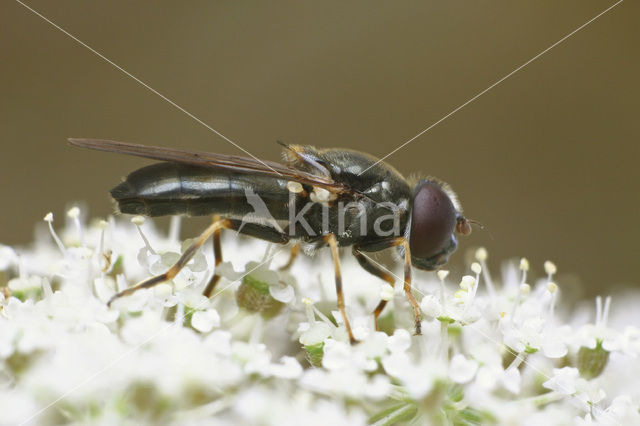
(379, 387)
(220, 342)
(204, 321)
(316, 333)
(462, 370)
(397, 364)
(511, 380)
(104, 287)
(563, 380)
(400, 341)
(289, 368)
(431, 306)
(282, 292)
(375, 346)
(225, 269)
(386, 292)
(336, 355)
(554, 347)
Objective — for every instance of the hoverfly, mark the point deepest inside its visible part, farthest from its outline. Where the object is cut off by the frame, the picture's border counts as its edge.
(340, 197)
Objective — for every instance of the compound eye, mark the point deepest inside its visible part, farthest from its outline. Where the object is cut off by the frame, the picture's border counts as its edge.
(433, 220)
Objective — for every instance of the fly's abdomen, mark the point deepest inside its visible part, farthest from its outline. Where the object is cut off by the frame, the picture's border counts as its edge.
(180, 189)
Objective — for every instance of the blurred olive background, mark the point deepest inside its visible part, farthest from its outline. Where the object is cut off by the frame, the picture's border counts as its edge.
(547, 160)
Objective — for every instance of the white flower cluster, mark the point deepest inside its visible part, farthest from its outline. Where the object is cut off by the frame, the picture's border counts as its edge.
(269, 346)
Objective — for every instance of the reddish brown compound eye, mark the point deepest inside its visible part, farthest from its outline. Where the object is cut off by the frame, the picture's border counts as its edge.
(433, 219)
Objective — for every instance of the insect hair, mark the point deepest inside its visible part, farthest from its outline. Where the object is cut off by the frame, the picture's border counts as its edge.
(414, 178)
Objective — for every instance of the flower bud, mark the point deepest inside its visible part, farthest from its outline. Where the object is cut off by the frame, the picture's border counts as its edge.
(467, 282)
(591, 362)
(73, 212)
(315, 354)
(481, 254)
(550, 267)
(138, 220)
(254, 296)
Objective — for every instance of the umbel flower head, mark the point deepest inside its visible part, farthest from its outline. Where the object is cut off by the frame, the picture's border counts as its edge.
(269, 347)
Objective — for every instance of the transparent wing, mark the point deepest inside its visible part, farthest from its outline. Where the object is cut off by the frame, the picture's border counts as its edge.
(218, 161)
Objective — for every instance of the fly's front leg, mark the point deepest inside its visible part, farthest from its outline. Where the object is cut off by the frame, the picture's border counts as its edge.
(333, 244)
(376, 270)
(379, 272)
(407, 281)
(182, 261)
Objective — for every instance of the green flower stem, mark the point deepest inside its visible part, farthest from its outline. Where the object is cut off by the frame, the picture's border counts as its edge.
(394, 415)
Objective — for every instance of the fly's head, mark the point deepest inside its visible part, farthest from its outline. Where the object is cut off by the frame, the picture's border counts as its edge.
(436, 216)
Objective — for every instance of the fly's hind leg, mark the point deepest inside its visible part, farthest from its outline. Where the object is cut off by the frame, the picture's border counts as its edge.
(376, 270)
(333, 244)
(217, 255)
(182, 261)
(262, 232)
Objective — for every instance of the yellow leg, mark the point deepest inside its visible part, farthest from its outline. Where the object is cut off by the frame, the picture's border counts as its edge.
(407, 284)
(333, 244)
(294, 253)
(175, 269)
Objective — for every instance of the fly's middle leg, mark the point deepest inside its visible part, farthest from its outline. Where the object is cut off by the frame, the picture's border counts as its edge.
(333, 244)
(262, 232)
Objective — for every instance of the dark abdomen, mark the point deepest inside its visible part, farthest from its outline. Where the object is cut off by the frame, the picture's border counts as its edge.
(181, 189)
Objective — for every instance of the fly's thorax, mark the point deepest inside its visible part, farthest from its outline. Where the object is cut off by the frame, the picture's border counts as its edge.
(351, 220)
(378, 209)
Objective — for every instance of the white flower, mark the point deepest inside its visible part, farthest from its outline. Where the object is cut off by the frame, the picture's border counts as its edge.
(589, 335)
(204, 321)
(525, 336)
(288, 368)
(563, 380)
(567, 381)
(172, 355)
(431, 307)
(629, 341)
(555, 341)
(282, 292)
(512, 380)
(460, 307)
(315, 333)
(400, 341)
(462, 370)
(417, 378)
